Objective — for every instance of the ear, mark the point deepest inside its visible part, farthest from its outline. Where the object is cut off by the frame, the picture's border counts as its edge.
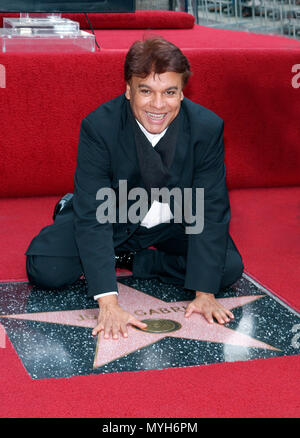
(127, 92)
(181, 96)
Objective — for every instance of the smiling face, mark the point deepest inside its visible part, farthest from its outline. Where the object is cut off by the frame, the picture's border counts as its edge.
(155, 100)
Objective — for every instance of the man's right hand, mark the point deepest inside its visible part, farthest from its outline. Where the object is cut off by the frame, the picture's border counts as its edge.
(113, 319)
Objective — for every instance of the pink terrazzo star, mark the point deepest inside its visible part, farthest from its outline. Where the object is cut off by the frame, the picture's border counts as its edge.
(145, 306)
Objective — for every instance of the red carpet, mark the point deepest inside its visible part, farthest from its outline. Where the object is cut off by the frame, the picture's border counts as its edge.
(266, 226)
(200, 37)
(260, 388)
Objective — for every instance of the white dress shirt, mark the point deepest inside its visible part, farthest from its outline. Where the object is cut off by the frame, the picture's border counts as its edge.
(159, 212)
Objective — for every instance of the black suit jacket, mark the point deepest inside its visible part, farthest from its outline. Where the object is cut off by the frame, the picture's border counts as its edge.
(107, 154)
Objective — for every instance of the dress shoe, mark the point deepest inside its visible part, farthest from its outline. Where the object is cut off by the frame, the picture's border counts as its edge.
(61, 204)
(124, 260)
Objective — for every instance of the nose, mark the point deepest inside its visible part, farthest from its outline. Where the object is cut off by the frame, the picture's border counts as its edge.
(157, 101)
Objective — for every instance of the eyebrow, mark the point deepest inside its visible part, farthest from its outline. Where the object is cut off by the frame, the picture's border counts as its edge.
(174, 87)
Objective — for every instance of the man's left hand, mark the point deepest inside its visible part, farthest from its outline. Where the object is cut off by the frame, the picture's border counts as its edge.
(209, 307)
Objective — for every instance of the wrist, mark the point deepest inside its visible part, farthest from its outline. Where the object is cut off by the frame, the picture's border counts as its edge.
(109, 300)
(201, 294)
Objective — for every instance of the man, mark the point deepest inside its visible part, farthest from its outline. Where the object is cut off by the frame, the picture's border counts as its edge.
(149, 137)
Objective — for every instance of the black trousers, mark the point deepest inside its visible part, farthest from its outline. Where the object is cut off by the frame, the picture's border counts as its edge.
(167, 262)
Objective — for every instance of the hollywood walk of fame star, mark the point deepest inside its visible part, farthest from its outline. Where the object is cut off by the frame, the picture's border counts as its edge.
(145, 306)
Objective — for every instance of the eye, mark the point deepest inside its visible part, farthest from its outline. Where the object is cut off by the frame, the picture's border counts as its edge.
(144, 91)
(170, 92)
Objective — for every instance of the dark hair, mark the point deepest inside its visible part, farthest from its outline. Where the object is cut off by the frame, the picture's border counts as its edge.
(155, 55)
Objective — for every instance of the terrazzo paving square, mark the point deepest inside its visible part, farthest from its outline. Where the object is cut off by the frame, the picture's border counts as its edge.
(51, 331)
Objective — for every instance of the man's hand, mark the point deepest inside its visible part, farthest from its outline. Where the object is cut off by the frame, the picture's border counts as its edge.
(209, 307)
(113, 319)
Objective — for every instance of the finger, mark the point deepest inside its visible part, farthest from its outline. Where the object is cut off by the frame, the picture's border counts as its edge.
(230, 314)
(124, 330)
(97, 329)
(227, 315)
(137, 323)
(209, 317)
(189, 310)
(115, 331)
(220, 316)
(224, 317)
(107, 330)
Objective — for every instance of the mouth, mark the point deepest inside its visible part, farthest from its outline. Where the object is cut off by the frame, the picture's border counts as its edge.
(156, 116)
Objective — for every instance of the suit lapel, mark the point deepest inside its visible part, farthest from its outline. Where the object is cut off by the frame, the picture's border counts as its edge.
(126, 138)
(182, 146)
(125, 160)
